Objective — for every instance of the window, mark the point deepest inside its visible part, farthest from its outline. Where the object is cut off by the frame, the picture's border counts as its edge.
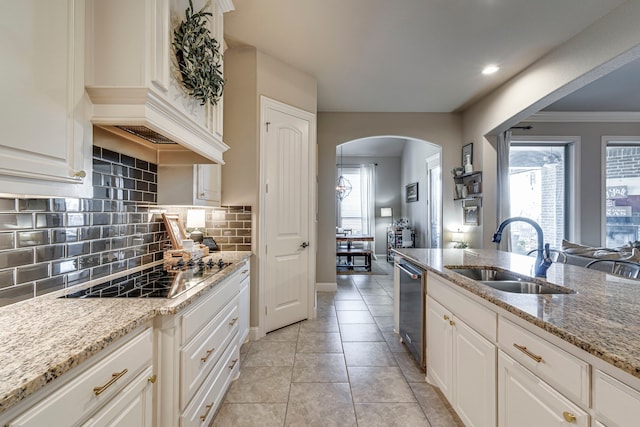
(539, 183)
(622, 196)
(350, 209)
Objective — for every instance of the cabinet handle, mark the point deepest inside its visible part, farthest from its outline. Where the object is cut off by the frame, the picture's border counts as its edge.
(528, 353)
(206, 414)
(233, 364)
(201, 194)
(114, 377)
(452, 323)
(204, 359)
(244, 271)
(233, 321)
(80, 174)
(152, 379)
(446, 317)
(569, 417)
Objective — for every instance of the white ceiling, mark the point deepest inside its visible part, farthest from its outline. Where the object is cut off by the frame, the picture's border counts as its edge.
(408, 55)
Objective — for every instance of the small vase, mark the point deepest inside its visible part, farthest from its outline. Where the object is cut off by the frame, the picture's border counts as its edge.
(459, 190)
(465, 191)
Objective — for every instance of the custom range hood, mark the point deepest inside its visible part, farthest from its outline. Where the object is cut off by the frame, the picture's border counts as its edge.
(133, 82)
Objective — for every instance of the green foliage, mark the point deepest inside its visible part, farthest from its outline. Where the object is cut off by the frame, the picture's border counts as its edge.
(198, 56)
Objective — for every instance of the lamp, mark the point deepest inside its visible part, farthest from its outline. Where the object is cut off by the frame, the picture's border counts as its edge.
(457, 237)
(386, 212)
(343, 186)
(195, 220)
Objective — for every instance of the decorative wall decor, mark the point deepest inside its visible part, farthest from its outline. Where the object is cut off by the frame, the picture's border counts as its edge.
(198, 56)
(467, 150)
(175, 229)
(412, 192)
(470, 215)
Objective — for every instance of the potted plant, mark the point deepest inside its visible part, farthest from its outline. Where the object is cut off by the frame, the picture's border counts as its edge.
(457, 171)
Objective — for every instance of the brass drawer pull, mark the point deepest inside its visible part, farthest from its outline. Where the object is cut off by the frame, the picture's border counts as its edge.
(528, 353)
(233, 321)
(233, 364)
(244, 271)
(114, 377)
(446, 317)
(152, 379)
(569, 417)
(204, 359)
(206, 414)
(452, 323)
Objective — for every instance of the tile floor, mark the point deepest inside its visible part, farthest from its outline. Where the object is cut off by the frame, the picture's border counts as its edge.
(344, 368)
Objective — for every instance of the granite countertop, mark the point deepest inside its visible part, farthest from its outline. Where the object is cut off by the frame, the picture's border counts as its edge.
(602, 317)
(42, 338)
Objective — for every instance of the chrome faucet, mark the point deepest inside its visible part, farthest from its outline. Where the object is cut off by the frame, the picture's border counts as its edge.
(543, 259)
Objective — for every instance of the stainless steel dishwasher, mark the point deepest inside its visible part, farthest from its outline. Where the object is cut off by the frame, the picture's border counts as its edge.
(411, 310)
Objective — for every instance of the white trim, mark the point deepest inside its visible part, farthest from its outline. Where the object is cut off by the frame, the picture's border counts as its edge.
(326, 287)
(585, 116)
(266, 102)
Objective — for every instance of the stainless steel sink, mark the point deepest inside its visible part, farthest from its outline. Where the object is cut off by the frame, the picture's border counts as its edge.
(507, 281)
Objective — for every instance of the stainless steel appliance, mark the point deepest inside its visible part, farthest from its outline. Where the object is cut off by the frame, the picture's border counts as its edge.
(154, 282)
(412, 313)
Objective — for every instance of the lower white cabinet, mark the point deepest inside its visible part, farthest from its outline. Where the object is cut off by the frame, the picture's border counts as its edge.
(615, 404)
(114, 390)
(463, 364)
(244, 304)
(525, 400)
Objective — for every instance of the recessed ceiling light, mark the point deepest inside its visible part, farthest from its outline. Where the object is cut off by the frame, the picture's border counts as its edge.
(490, 69)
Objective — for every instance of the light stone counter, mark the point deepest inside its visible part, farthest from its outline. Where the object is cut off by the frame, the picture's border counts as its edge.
(601, 318)
(42, 338)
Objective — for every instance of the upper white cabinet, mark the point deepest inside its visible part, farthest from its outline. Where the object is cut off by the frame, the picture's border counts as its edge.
(133, 78)
(197, 185)
(46, 141)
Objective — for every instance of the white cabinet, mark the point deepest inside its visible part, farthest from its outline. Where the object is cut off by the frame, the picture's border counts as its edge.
(46, 141)
(525, 400)
(244, 306)
(197, 185)
(615, 404)
(462, 363)
(132, 76)
(114, 390)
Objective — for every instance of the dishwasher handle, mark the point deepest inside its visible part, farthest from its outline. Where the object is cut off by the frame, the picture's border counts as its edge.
(412, 274)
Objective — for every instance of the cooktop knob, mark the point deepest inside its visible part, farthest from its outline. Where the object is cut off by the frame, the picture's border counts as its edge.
(180, 263)
(210, 264)
(201, 264)
(220, 263)
(190, 263)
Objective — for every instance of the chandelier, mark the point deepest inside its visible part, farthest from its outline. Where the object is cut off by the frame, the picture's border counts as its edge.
(343, 186)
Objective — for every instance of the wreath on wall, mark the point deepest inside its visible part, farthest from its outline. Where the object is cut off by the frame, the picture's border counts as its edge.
(198, 57)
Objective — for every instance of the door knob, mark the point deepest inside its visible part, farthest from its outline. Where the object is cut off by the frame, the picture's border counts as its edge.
(304, 245)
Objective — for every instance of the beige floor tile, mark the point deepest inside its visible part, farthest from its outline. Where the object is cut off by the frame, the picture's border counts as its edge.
(348, 294)
(379, 385)
(385, 323)
(345, 317)
(378, 299)
(381, 309)
(261, 385)
(374, 290)
(319, 342)
(395, 345)
(325, 310)
(434, 405)
(360, 332)
(368, 354)
(319, 368)
(266, 353)
(250, 415)
(286, 334)
(351, 305)
(320, 404)
(326, 297)
(410, 368)
(320, 324)
(390, 415)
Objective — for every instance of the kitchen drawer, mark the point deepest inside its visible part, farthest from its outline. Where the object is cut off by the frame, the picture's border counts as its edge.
(615, 403)
(197, 317)
(201, 354)
(202, 408)
(77, 399)
(482, 319)
(562, 370)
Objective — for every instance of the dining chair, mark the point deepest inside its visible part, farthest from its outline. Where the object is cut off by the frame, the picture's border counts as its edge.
(616, 266)
(556, 255)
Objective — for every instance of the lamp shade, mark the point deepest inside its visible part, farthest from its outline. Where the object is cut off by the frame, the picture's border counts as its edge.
(195, 218)
(386, 212)
(457, 236)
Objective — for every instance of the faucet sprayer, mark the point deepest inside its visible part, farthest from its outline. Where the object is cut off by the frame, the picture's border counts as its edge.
(543, 259)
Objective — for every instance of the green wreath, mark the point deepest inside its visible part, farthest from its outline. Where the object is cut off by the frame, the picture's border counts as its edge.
(198, 56)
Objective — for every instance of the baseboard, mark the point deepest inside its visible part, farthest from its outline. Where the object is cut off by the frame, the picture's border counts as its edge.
(326, 287)
(253, 334)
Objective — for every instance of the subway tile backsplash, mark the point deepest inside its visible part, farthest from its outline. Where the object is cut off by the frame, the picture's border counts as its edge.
(47, 244)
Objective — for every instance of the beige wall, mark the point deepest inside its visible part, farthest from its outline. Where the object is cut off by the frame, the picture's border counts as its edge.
(604, 46)
(251, 74)
(442, 129)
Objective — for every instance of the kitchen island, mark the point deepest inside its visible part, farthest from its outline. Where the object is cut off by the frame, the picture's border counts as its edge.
(584, 343)
(42, 338)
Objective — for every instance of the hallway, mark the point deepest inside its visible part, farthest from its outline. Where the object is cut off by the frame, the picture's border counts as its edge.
(345, 368)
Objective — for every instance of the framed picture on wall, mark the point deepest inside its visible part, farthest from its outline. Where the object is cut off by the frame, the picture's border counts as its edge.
(470, 215)
(412, 192)
(175, 229)
(467, 150)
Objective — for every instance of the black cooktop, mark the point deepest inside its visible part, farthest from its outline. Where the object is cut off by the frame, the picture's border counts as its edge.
(154, 282)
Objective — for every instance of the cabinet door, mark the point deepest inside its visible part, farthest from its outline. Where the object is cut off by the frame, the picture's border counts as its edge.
(243, 309)
(524, 400)
(439, 347)
(45, 139)
(208, 184)
(474, 376)
(132, 407)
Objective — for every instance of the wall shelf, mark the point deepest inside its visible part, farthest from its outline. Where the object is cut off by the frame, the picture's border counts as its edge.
(468, 186)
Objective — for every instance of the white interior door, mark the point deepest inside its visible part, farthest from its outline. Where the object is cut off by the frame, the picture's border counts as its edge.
(434, 181)
(288, 168)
